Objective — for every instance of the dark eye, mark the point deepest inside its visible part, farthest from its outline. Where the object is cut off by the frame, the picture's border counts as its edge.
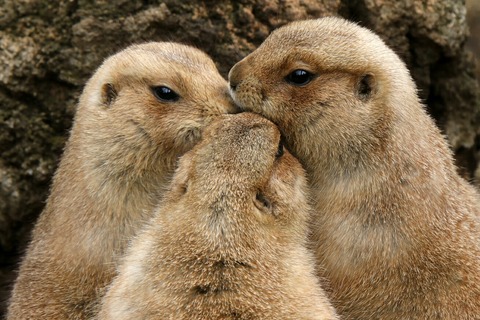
(262, 201)
(281, 148)
(163, 93)
(299, 77)
(183, 188)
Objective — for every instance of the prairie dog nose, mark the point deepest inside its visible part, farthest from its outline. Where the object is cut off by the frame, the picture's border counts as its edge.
(234, 76)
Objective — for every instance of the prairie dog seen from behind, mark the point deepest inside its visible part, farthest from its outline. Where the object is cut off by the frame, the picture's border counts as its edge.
(229, 239)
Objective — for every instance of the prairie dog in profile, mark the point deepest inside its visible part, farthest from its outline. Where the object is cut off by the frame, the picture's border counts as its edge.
(395, 228)
(143, 108)
(229, 239)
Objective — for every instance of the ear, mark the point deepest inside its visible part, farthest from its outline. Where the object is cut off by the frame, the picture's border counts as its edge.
(182, 174)
(365, 87)
(109, 94)
(187, 137)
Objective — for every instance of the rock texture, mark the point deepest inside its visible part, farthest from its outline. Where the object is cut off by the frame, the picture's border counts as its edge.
(473, 44)
(48, 49)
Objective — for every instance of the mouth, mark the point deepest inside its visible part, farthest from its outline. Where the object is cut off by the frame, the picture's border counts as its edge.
(237, 108)
(222, 264)
(231, 90)
(240, 107)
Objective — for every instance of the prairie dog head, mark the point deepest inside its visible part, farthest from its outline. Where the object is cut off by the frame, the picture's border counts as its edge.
(329, 85)
(148, 104)
(228, 240)
(241, 188)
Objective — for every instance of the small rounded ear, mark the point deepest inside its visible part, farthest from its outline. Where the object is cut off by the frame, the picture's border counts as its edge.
(181, 178)
(365, 86)
(109, 94)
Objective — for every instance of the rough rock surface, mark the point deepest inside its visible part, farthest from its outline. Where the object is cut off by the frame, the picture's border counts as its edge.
(473, 44)
(48, 49)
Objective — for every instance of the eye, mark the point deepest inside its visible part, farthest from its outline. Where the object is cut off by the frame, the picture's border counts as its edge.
(183, 188)
(299, 77)
(262, 203)
(281, 149)
(165, 94)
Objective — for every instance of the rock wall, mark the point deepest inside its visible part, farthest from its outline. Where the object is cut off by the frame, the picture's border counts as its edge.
(48, 49)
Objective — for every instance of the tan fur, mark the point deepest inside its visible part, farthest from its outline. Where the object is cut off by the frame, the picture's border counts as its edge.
(120, 156)
(395, 230)
(229, 241)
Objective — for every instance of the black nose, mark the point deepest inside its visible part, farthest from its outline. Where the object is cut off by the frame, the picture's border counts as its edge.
(233, 77)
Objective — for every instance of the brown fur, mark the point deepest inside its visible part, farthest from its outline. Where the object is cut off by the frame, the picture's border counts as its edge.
(229, 241)
(120, 155)
(396, 230)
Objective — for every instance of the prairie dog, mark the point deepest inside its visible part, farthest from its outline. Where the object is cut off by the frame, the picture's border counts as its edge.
(395, 228)
(229, 239)
(143, 108)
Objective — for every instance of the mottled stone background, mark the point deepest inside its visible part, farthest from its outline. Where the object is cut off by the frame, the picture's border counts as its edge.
(48, 49)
